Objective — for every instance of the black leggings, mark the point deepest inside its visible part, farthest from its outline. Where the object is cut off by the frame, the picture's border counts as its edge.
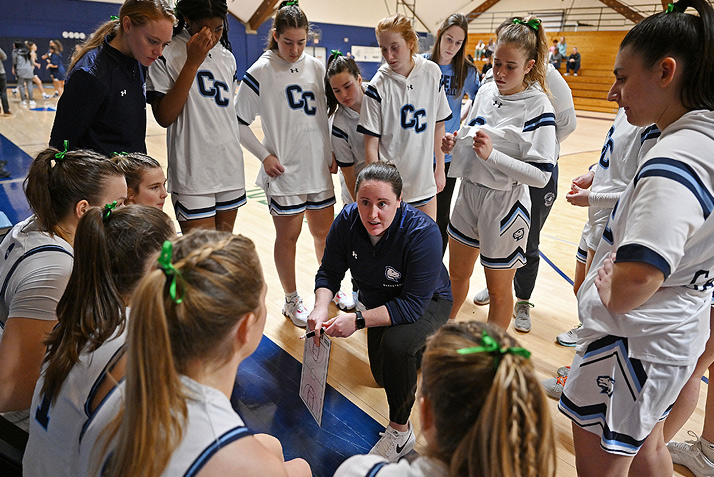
(395, 356)
(443, 207)
(541, 202)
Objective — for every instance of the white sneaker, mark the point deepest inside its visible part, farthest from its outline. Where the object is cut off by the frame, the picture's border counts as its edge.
(14, 92)
(569, 338)
(33, 104)
(522, 315)
(482, 298)
(344, 301)
(296, 312)
(46, 96)
(554, 386)
(690, 455)
(23, 102)
(394, 444)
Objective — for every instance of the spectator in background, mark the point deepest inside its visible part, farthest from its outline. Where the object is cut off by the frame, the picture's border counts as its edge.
(486, 66)
(480, 50)
(573, 63)
(563, 47)
(23, 71)
(3, 85)
(490, 48)
(555, 57)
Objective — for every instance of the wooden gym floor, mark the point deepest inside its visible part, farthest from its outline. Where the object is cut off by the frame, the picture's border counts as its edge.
(555, 305)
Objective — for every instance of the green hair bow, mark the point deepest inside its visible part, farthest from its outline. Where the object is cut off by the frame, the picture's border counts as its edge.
(336, 53)
(60, 155)
(534, 23)
(170, 271)
(108, 210)
(672, 7)
(491, 346)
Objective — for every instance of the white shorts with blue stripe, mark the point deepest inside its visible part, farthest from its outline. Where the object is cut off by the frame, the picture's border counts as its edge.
(495, 221)
(203, 206)
(281, 205)
(620, 398)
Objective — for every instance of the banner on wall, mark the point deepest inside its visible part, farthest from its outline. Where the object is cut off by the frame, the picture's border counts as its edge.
(367, 53)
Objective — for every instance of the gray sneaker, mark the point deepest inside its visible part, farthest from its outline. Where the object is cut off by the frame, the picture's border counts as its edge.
(554, 386)
(690, 455)
(563, 371)
(522, 315)
(482, 298)
(569, 338)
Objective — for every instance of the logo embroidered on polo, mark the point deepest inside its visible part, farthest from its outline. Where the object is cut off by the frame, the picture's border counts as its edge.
(392, 274)
(123, 92)
(294, 70)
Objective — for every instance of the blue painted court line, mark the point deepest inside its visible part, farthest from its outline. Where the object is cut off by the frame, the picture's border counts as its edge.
(266, 396)
(12, 198)
(43, 109)
(558, 270)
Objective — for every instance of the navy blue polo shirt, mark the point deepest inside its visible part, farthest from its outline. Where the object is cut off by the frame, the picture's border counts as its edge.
(103, 106)
(403, 271)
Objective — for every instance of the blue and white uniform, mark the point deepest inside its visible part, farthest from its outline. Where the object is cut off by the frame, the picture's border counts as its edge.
(402, 112)
(624, 146)
(56, 427)
(377, 466)
(642, 358)
(290, 98)
(210, 425)
(348, 145)
(204, 153)
(492, 211)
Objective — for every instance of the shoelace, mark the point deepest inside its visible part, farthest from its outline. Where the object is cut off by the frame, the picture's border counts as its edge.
(561, 380)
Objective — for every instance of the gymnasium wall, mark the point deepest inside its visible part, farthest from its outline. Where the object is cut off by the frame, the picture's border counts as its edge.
(42, 20)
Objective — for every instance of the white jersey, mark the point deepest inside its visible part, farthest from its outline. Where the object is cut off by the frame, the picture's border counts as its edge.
(521, 126)
(664, 218)
(204, 152)
(290, 98)
(34, 271)
(211, 424)
(376, 466)
(402, 112)
(55, 428)
(347, 144)
(565, 119)
(624, 145)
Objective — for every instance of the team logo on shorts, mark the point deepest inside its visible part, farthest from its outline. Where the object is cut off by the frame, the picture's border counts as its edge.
(607, 385)
(549, 199)
(392, 274)
(519, 234)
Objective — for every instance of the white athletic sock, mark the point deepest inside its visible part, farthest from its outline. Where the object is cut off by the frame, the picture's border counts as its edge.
(290, 296)
(707, 448)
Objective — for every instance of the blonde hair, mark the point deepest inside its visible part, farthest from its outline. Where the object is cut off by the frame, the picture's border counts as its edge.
(533, 42)
(138, 11)
(221, 280)
(490, 413)
(402, 25)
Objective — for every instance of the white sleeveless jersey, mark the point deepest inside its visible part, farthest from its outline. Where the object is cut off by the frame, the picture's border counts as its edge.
(211, 424)
(347, 144)
(403, 112)
(664, 218)
(34, 270)
(55, 428)
(375, 466)
(624, 146)
(290, 98)
(204, 152)
(520, 125)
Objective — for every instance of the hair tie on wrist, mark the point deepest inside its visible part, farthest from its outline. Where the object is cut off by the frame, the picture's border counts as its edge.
(108, 210)
(490, 346)
(171, 272)
(533, 23)
(673, 7)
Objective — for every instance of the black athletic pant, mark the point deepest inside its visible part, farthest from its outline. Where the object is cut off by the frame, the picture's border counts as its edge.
(395, 356)
(541, 202)
(3, 94)
(443, 208)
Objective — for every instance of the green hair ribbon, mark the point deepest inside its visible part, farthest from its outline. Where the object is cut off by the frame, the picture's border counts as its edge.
(671, 7)
(490, 346)
(534, 23)
(170, 271)
(123, 153)
(108, 210)
(113, 18)
(60, 155)
(289, 3)
(336, 53)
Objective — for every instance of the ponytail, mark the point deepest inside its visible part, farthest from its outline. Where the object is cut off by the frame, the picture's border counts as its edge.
(490, 415)
(111, 251)
(220, 283)
(57, 181)
(689, 39)
(528, 34)
(138, 11)
(337, 63)
(289, 15)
